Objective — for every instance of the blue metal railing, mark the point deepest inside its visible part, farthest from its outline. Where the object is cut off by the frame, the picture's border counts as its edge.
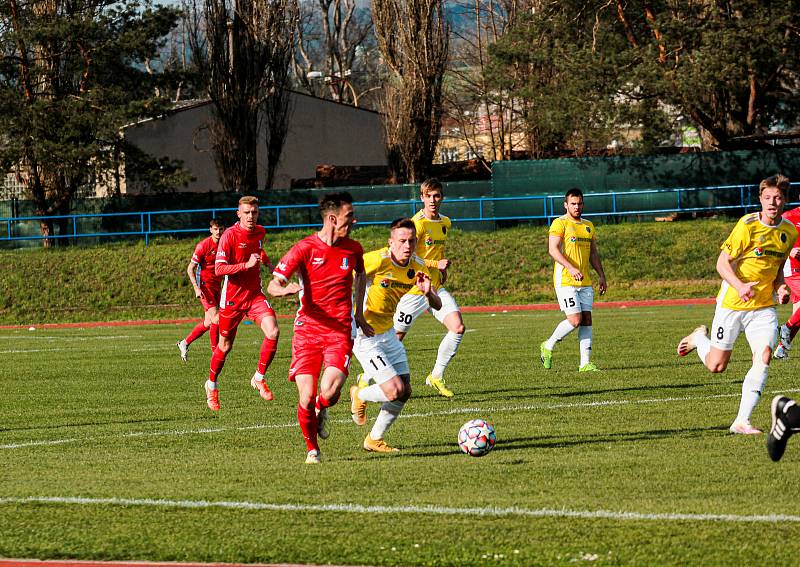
(146, 224)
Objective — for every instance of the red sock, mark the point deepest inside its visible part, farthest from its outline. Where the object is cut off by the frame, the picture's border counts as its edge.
(794, 322)
(217, 362)
(323, 403)
(196, 333)
(307, 419)
(213, 334)
(268, 349)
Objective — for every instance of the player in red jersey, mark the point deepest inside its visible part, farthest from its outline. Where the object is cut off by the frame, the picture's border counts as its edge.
(791, 275)
(323, 327)
(239, 258)
(206, 288)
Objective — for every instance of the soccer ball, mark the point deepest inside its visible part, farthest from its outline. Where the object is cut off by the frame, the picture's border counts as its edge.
(476, 437)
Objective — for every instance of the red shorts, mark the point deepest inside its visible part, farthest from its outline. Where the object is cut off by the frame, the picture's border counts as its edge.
(256, 309)
(793, 282)
(210, 297)
(312, 348)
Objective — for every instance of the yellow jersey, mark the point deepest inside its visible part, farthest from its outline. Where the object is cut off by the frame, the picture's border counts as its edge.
(576, 245)
(387, 282)
(431, 237)
(758, 252)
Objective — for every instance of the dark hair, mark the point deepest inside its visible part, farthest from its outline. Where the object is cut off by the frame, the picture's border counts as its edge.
(777, 181)
(404, 222)
(574, 192)
(332, 202)
(216, 222)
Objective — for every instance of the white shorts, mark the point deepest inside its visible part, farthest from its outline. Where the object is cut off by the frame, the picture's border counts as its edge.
(760, 327)
(575, 299)
(412, 306)
(382, 357)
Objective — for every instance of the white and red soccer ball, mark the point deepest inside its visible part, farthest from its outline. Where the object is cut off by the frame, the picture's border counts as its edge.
(476, 437)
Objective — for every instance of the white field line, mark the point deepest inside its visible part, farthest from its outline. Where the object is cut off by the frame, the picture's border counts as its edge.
(454, 411)
(65, 338)
(430, 510)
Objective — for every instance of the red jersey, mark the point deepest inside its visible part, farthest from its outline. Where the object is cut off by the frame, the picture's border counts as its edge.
(240, 285)
(792, 267)
(205, 255)
(326, 280)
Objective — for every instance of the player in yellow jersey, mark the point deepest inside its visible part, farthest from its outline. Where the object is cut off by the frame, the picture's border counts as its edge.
(573, 246)
(391, 273)
(432, 231)
(751, 266)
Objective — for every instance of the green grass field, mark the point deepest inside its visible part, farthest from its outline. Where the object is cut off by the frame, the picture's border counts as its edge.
(633, 465)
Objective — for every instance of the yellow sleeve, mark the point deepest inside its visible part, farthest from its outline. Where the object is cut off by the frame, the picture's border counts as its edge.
(372, 261)
(738, 240)
(557, 228)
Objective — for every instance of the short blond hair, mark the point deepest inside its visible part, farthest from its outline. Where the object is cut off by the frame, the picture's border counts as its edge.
(431, 184)
(776, 181)
(248, 200)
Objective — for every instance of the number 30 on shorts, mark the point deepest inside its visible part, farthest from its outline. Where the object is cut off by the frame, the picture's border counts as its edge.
(404, 318)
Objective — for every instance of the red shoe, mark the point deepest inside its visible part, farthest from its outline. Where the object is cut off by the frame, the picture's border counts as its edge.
(212, 397)
(261, 386)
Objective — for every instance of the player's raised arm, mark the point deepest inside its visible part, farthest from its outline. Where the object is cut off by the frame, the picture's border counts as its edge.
(424, 285)
(554, 249)
(281, 287)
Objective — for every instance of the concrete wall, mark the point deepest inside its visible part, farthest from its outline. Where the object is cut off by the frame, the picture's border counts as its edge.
(320, 132)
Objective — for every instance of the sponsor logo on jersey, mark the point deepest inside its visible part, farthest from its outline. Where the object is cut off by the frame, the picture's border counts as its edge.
(385, 283)
(775, 253)
(573, 239)
(429, 240)
(281, 266)
(317, 261)
(758, 252)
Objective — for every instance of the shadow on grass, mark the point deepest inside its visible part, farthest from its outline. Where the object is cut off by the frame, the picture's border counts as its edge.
(560, 441)
(91, 424)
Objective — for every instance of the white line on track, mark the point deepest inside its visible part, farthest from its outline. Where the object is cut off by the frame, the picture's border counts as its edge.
(454, 411)
(431, 510)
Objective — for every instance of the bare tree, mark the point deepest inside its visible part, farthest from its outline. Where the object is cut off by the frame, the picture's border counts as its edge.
(482, 115)
(335, 51)
(413, 37)
(239, 49)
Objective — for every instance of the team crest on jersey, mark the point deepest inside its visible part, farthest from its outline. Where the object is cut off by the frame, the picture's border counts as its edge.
(429, 240)
(243, 245)
(588, 229)
(345, 264)
(444, 230)
(385, 283)
(758, 252)
(410, 273)
(783, 237)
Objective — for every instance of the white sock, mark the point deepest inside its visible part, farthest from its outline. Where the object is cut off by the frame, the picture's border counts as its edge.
(703, 344)
(386, 417)
(372, 393)
(563, 329)
(258, 376)
(585, 342)
(211, 385)
(447, 350)
(752, 387)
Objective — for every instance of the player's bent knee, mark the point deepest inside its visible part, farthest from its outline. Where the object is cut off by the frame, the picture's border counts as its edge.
(460, 329)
